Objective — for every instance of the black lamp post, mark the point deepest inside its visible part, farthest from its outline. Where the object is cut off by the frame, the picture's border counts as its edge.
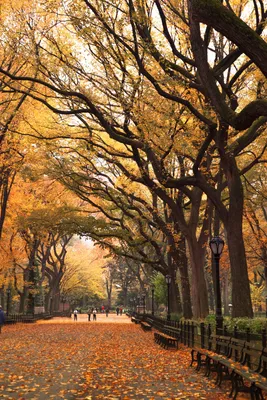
(216, 245)
(134, 304)
(266, 306)
(168, 279)
(51, 304)
(63, 300)
(144, 303)
(33, 304)
(153, 292)
(8, 292)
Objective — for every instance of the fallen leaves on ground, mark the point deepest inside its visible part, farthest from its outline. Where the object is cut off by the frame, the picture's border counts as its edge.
(95, 361)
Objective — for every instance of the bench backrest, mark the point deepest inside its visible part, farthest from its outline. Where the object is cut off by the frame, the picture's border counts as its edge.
(173, 332)
(235, 349)
(222, 345)
(251, 356)
(212, 342)
(262, 368)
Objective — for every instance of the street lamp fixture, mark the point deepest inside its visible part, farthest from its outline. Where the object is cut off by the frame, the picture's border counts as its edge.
(168, 279)
(153, 292)
(216, 246)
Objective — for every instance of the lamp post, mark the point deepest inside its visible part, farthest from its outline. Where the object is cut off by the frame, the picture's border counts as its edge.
(134, 303)
(51, 304)
(168, 279)
(8, 292)
(63, 300)
(153, 292)
(216, 246)
(266, 306)
(138, 304)
(230, 308)
(33, 304)
(144, 303)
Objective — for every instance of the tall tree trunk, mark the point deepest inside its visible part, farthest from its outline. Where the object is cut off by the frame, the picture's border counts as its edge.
(125, 293)
(175, 297)
(241, 300)
(226, 293)
(199, 286)
(22, 302)
(182, 262)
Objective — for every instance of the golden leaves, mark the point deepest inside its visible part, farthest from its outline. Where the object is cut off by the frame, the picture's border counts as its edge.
(96, 361)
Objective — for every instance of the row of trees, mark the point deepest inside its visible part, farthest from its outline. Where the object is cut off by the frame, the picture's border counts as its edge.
(153, 113)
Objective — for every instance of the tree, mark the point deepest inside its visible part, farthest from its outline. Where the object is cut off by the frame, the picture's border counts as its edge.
(207, 93)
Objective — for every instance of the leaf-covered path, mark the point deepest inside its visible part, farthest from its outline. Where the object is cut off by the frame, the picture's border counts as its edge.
(95, 360)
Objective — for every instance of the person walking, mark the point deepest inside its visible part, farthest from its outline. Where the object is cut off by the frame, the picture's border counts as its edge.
(107, 311)
(89, 314)
(2, 318)
(75, 313)
(117, 310)
(94, 314)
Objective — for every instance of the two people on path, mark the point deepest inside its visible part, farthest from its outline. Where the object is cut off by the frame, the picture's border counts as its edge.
(2, 318)
(94, 314)
(119, 310)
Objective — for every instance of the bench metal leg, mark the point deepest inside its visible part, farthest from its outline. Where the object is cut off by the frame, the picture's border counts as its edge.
(256, 392)
(233, 383)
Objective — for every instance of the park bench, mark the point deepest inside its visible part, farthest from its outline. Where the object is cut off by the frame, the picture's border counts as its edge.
(168, 337)
(135, 320)
(225, 361)
(146, 326)
(251, 370)
(243, 363)
(150, 321)
(217, 344)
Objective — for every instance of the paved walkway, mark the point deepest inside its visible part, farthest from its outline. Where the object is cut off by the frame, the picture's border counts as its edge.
(63, 359)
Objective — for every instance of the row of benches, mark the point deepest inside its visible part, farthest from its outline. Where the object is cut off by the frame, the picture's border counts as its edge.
(243, 363)
(167, 337)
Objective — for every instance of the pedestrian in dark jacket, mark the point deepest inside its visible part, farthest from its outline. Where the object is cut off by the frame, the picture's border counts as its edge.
(2, 318)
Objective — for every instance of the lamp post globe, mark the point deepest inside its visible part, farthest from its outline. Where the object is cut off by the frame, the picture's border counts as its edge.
(168, 279)
(216, 245)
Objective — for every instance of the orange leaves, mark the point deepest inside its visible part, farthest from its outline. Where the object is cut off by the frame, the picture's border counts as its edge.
(96, 361)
